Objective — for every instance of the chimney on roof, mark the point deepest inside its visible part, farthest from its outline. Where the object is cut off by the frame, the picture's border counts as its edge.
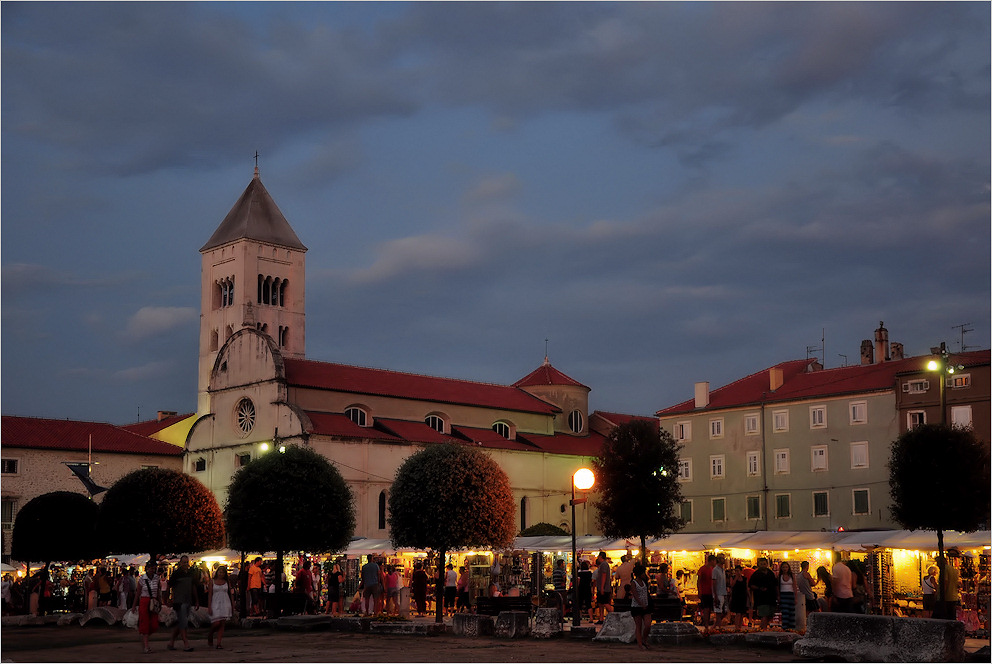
(897, 351)
(775, 378)
(882, 343)
(702, 394)
(867, 352)
(162, 414)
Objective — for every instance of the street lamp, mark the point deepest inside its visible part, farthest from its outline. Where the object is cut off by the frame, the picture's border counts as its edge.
(582, 479)
(943, 368)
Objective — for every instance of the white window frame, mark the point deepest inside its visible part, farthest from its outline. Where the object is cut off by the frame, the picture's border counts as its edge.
(363, 419)
(713, 502)
(716, 428)
(916, 386)
(504, 429)
(718, 462)
(747, 514)
(576, 421)
(921, 414)
(818, 417)
(857, 417)
(682, 431)
(440, 418)
(819, 451)
(859, 445)
(867, 511)
(780, 421)
(753, 458)
(789, 496)
(685, 464)
(961, 416)
(958, 381)
(752, 424)
(17, 465)
(780, 454)
(692, 511)
(825, 514)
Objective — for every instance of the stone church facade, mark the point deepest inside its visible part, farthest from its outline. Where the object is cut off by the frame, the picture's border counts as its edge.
(258, 391)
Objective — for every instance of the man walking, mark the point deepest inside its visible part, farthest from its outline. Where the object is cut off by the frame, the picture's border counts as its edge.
(256, 579)
(604, 587)
(704, 588)
(183, 593)
(843, 585)
(719, 587)
(370, 585)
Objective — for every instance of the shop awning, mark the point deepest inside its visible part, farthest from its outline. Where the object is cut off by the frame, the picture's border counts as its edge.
(925, 540)
(366, 546)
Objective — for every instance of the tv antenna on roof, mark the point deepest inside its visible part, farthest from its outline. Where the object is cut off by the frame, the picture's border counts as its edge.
(964, 328)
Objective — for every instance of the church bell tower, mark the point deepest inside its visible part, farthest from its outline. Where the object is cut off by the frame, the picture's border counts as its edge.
(252, 275)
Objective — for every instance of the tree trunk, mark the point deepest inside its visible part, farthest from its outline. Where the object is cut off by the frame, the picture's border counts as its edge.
(940, 605)
(278, 593)
(439, 590)
(242, 589)
(644, 552)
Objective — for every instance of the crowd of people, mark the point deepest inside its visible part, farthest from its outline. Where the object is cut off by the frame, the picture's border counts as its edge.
(755, 594)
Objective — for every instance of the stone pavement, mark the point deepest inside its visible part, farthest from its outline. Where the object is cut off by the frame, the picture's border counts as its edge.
(117, 644)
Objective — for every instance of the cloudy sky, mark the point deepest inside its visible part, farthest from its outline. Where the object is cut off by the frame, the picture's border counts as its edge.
(667, 192)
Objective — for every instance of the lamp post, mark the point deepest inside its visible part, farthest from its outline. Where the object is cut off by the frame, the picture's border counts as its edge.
(582, 479)
(940, 364)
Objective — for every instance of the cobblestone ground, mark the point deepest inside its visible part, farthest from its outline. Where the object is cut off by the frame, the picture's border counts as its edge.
(115, 644)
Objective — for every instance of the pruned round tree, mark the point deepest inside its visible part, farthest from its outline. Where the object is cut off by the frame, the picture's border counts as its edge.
(289, 500)
(939, 480)
(447, 497)
(61, 525)
(637, 478)
(158, 511)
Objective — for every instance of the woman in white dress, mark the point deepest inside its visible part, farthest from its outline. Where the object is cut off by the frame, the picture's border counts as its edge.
(221, 607)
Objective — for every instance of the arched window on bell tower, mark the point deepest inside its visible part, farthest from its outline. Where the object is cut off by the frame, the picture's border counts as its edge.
(382, 510)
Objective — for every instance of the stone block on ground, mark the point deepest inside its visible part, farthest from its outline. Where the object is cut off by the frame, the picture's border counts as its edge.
(407, 628)
(512, 625)
(547, 623)
(582, 632)
(72, 618)
(404, 601)
(472, 624)
(108, 615)
(771, 639)
(199, 617)
(674, 634)
(726, 639)
(862, 638)
(304, 623)
(255, 623)
(618, 628)
(167, 617)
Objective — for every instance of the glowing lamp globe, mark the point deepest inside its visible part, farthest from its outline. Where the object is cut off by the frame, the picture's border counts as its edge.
(583, 479)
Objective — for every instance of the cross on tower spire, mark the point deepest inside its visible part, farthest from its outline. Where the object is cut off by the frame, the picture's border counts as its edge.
(256, 163)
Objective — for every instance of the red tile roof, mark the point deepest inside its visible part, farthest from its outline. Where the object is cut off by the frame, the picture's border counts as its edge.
(547, 375)
(616, 419)
(150, 427)
(336, 424)
(382, 382)
(799, 384)
(72, 435)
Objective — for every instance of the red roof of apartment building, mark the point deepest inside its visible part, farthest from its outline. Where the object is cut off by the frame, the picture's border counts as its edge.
(386, 383)
(798, 383)
(72, 435)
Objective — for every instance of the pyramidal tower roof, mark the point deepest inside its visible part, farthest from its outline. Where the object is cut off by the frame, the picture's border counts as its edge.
(546, 375)
(255, 217)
